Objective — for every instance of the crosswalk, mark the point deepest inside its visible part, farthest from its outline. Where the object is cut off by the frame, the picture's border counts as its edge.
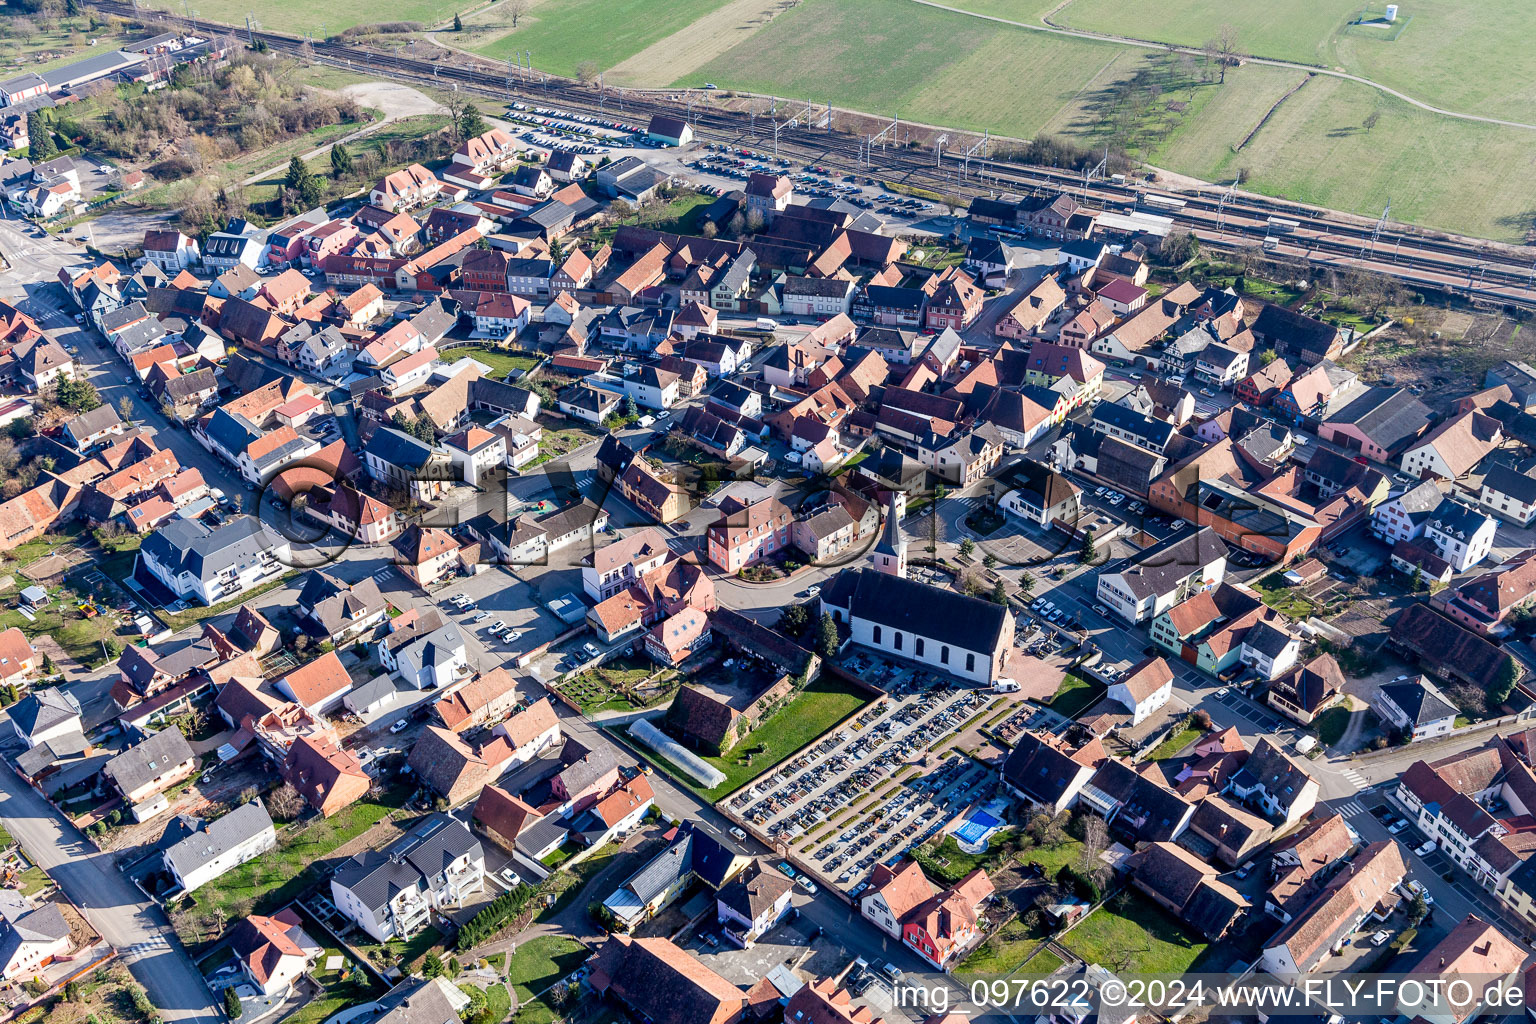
(1350, 809)
(140, 949)
(1356, 779)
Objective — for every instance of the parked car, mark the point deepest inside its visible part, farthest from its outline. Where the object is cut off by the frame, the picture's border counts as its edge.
(1380, 938)
(1399, 826)
(1426, 849)
(737, 833)
(400, 726)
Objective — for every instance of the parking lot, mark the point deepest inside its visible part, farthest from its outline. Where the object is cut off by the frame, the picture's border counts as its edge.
(879, 785)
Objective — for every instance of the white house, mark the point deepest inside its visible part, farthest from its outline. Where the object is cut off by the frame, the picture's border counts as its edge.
(1510, 493)
(1269, 649)
(1164, 575)
(213, 564)
(171, 251)
(893, 894)
(476, 454)
(223, 845)
(394, 892)
(753, 903)
(531, 731)
(501, 315)
(1417, 708)
(1274, 783)
(1145, 687)
(1405, 516)
(31, 939)
(431, 661)
(48, 715)
(1462, 535)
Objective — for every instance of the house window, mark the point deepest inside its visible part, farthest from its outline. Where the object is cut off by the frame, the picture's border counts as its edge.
(944, 654)
(970, 662)
(898, 641)
(917, 646)
(877, 634)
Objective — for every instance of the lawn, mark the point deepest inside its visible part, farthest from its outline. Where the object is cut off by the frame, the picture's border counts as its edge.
(1140, 937)
(1171, 746)
(1053, 858)
(680, 215)
(339, 993)
(540, 962)
(497, 1000)
(1003, 951)
(1282, 597)
(948, 863)
(275, 879)
(81, 637)
(501, 361)
(1075, 695)
(1330, 725)
(564, 35)
(815, 710)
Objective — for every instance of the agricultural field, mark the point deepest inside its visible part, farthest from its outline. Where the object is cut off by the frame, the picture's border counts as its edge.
(1298, 30)
(1456, 55)
(327, 19)
(564, 35)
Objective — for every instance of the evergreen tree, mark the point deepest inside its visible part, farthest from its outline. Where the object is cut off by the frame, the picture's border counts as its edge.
(458, 23)
(1090, 549)
(72, 10)
(232, 1005)
(341, 161)
(631, 412)
(40, 145)
(470, 122)
(999, 594)
(302, 180)
(77, 395)
(827, 642)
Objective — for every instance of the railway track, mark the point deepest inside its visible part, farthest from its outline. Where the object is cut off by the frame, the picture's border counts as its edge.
(1480, 270)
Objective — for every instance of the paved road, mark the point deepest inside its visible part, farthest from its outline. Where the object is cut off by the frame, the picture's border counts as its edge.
(109, 902)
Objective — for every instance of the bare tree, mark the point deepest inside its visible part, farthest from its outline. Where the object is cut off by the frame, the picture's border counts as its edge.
(587, 72)
(1371, 119)
(284, 803)
(516, 8)
(1226, 45)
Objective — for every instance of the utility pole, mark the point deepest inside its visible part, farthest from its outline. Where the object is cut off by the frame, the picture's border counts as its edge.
(1377, 230)
(1221, 209)
(250, 35)
(938, 150)
(966, 156)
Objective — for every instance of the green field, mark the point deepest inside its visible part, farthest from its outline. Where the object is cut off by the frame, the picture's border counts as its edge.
(542, 961)
(328, 18)
(1298, 30)
(1465, 57)
(562, 34)
(927, 64)
(817, 708)
(1153, 942)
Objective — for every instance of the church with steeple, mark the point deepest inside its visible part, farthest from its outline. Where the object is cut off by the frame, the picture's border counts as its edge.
(891, 553)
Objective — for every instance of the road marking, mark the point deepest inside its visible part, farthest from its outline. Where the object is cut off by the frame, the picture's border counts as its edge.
(1356, 779)
(1350, 809)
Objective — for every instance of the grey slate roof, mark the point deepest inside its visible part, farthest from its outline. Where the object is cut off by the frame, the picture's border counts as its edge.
(945, 617)
(204, 551)
(43, 709)
(217, 837)
(45, 924)
(142, 762)
(1159, 566)
(1420, 701)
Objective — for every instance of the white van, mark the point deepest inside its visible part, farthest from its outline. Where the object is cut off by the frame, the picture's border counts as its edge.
(1004, 686)
(767, 323)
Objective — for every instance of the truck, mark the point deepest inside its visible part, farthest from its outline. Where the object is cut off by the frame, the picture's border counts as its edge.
(767, 323)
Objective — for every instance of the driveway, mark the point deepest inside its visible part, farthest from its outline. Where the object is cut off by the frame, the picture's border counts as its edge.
(114, 907)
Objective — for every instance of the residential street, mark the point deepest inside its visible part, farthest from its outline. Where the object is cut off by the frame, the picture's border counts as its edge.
(114, 907)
